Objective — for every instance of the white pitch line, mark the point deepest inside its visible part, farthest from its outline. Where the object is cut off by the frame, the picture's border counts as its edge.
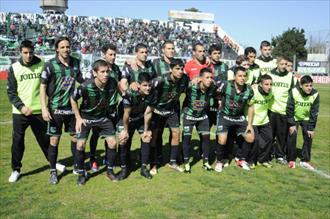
(6, 122)
(319, 172)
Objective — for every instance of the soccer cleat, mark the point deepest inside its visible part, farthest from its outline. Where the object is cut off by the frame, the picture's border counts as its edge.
(144, 172)
(175, 167)
(53, 178)
(60, 167)
(14, 176)
(187, 168)
(306, 165)
(265, 164)
(81, 179)
(219, 167)
(281, 160)
(94, 166)
(75, 170)
(292, 164)
(207, 166)
(226, 164)
(252, 166)
(153, 170)
(123, 173)
(111, 175)
(243, 164)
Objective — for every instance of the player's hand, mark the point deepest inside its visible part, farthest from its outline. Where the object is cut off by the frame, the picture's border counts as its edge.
(292, 129)
(207, 61)
(27, 111)
(220, 104)
(249, 130)
(254, 86)
(146, 136)
(79, 123)
(46, 115)
(134, 86)
(196, 80)
(311, 134)
(123, 136)
(133, 64)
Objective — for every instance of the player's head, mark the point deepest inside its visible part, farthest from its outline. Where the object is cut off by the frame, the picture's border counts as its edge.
(109, 53)
(176, 68)
(265, 49)
(215, 52)
(242, 61)
(266, 83)
(26, 50)
(251, 54)
(168, 49)
(289, 65)
(141, 51)
(206, 76)
(306, 84)
(199, 52)
(240, 75)
(281, 63)
(144, 80)
(62, 46)
(100, 71)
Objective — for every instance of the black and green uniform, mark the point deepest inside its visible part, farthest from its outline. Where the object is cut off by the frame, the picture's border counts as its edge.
(231, 115)
(162, 68)
(133, 75)
(60, 81)
(194, 110)
(302, 109)
(266, 65)
(23, 90)
(283, 82)
(262, 128)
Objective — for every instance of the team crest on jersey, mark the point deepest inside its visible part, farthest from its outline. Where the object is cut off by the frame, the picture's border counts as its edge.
(198, 105)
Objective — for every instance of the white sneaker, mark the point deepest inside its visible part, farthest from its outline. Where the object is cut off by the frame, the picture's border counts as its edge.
(219, 167)
(306, 165)
(153, 171)
(14, 176)
(60, 167)
(244, 165)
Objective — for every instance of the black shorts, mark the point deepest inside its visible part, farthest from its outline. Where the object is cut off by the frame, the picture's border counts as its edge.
(225, 123)
(202, 125)
(104, 125)
(171, 120)
(132, 126)
(114, 119)
(60, 118)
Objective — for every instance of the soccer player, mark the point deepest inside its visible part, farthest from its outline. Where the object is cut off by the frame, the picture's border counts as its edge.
(235, 96)
(162, 64)
(283, 82)
(253, 72)
(97, 95)
(302, 110)
(241, 61)
(23, 93)
(109, 52)
(262, 99)
(199, 61)
(169, 89)
(265, 61)
(195, 114)
(135, 111)
(289, 65)
(58, 83)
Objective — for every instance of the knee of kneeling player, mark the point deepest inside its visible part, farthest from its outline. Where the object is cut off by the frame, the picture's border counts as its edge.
(111, 142)
(249, 138)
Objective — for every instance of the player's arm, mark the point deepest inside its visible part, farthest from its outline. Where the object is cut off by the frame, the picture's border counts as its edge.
(313, 116)
(290, 114)
(123, 135)
(79, 76)
(147, 117)
(45, 76)
(13, 95)
(74, 104)
(249, 127)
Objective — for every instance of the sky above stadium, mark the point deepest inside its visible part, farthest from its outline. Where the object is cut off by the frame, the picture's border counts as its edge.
(248, 22)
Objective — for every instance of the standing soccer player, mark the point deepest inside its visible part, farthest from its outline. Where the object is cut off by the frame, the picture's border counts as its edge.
(283, 82)
(253, 72)
(262, 99)
(97, 97)
(265, 61)
(162, 64)
(58, 83)
(195, 114)
(235, 98)
(135, 111)
(199, 61)
(23, 93)
(302, 110)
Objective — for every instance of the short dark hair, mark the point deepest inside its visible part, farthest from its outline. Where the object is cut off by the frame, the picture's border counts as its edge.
(140, 46)
(197, 44)
(215, 47)
(265, 77)
(144, 77)
(98, 63)
(205, 70)
(264, 44)
(249, 50)
(110, 46)
(289, 59)
(26, 44)
(240, 59)
(306, 79)
(239, 68)
(175, 62)
(167, 42)
(60, 39)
